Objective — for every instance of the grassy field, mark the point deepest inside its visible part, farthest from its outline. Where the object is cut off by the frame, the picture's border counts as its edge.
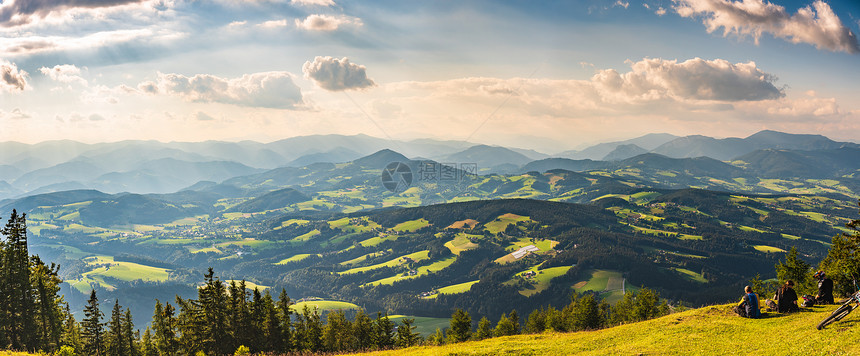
(768, 249)
(423, 270)
(417, 256)
(105, 266)
(410, 226)
(454, 289)
(295, 258)
(542, 278)
(248, 285)
(323, 305)
(693, 276)
(713, 330)
(462, 242)
(502, 222)
(599, 281)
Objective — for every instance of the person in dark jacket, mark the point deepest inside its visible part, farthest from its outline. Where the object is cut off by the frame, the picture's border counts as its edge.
(786, 298)
(825, 288)
(748, 307)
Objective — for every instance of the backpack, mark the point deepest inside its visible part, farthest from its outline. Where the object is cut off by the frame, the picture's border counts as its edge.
(808, 301)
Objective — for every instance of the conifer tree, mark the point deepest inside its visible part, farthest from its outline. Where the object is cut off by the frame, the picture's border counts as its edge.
(113, 338)
(484, 331)
(49, 312)
(383, 331)
(71, 331)
(147, 347)
(363, 329)
(274, 334)
(91, 327)
(795, 269)
(406, 336)
(461, 326)
(504, 327)
(284, 314)
(536, 322)
(212, 299)
(17, 305)
(129, 335)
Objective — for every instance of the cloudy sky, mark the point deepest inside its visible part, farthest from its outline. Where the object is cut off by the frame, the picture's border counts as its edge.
(549, 75)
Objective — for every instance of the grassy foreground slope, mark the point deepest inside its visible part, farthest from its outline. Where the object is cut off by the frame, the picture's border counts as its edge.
(710, 330)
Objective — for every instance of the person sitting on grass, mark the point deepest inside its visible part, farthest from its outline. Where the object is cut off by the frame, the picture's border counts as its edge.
(825, 288)
(786, 298)
(748, 307)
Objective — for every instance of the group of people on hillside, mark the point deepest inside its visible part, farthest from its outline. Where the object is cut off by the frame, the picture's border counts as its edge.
(785, 299)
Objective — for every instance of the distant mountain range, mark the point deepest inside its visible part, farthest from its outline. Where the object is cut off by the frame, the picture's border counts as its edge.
(154, 167)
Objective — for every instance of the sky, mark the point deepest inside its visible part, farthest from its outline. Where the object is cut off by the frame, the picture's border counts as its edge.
(546, 75)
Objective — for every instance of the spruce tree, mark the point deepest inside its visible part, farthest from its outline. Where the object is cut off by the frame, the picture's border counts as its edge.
(91, 327)
(461, 326)
(363, 329)
(113, 338)
(284, 314)
(48, 303)
(71, 331)
(406, 336)
(274, 334)
(795, 269)
(17, 304)
(484, 331)
(129, 335)
(384, 331)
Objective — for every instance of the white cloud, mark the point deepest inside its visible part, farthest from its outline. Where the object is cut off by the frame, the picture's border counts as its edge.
(12, 79)
(15, 114)
(817, 25)
(266, 90)
(22, 12)
(337, 74)
(64, 73)
(317, 22)
(274, 24)
(695, 79)
(11, 46)
(313, 2)
(660, 11)
(621, 3)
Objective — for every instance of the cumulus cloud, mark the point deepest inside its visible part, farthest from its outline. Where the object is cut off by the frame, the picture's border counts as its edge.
(266, 90)
(337, 74)
(317, 22)
(202, 116)
(817, 25)
(696, 79)
(620, 3)
(64, 73)
(313, 2)
(21, 12)
(24, 45)
(273, 24)
(12, 79)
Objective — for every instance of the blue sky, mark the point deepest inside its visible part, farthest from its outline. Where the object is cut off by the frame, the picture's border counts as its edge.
(549, 75)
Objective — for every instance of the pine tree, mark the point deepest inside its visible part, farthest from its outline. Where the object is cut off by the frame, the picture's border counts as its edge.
(274, 335)
(91, 327)
(406, 336)
(363, 329)
(484, 331)
(17, 305)
(536, 322)
(284, 314)
(71, 331)
(164, 329)
(384, 331)
(461, 326)
(113, 338)
(147, 347)
(795, 269)
(129, 335)
(212, 299)
(586, 314)
(504, 327)
(514, 317)
(46, 284)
